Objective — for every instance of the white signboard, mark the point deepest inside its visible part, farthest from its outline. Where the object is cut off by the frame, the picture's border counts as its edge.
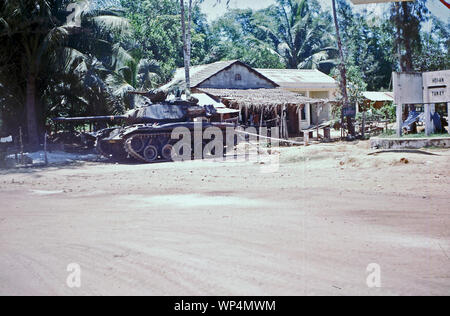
(408, 88)
(436, 86)
(426, 88)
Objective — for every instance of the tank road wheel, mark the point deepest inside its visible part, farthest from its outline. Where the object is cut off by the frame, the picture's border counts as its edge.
(137, 144)
(148, 147)
(150, 153)
(166, 152)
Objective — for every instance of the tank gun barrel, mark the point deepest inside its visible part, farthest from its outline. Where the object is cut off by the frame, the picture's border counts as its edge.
(163, 113)
(90, 119)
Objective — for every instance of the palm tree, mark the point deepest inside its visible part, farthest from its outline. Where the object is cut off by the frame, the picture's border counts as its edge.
(78, 85)
(343, 70)
(408, 19)
(301, 34)
(131, 72)
(33, 31)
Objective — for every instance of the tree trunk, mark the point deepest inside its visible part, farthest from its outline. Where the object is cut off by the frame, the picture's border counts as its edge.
(343, 71)
(363, 128)
(407, 40)
(32, 128)
(399, 35)
(186, 44)
(402, 14)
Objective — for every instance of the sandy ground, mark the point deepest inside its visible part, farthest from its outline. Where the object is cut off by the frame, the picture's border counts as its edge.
(230, 228)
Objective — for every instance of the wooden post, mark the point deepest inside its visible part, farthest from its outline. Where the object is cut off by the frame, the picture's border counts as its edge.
(284, 122)
(318, 115)
(363, 127)
(45, 149)
(306, 137)
(428, 122)
(21, 145)
(260, 131)
(448, 117)
(399, 119)
(240, 113)
(308, 114)
(299, 119)
(246, 116)
(261, 121)
(432, 112)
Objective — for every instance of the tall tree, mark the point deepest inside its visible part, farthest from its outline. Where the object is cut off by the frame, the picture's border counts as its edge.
(435, 53)
(187, 42)
(238, 35)
(407, 18)
(343, 71)
(35, 30)
(302, 34)
(368, 44)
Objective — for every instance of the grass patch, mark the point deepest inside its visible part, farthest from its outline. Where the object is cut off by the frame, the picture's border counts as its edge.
(392, 134)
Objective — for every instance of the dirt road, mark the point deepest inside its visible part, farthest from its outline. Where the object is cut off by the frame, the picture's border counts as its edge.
(229, 228)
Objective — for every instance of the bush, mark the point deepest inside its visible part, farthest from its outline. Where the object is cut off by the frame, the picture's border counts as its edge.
(387, 112)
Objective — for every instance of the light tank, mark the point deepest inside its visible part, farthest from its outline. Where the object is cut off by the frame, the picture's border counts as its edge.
(145, 133)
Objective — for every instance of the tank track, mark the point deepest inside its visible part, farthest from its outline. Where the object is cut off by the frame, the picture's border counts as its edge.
(142, 147)
(99, 149)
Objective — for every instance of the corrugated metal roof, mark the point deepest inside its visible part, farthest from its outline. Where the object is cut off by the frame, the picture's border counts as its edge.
(198, 73)
(296, 78)
(375, 96)
(201, 73)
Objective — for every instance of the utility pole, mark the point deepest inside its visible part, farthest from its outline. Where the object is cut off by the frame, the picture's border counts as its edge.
(343, 71)
(187, 39)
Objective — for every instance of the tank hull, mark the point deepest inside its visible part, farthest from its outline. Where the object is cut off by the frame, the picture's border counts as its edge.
(148, 143)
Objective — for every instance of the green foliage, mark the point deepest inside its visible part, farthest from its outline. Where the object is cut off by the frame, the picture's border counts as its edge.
(355, 87)
(387, 112)
(435, 48)
(406, 19)
(235, 37)
(291, 34)
(366, 46)
(44, 53)
(303, 35)
(372, 46)
(126, 45)
(157, 32)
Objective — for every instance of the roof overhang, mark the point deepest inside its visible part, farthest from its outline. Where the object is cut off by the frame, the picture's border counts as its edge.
(257, 98)
(375, 96)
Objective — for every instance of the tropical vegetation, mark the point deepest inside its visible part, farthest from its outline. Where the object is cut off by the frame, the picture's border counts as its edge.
(80, 57)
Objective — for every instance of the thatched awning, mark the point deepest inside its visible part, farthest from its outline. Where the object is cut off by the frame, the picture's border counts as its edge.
(266, 98)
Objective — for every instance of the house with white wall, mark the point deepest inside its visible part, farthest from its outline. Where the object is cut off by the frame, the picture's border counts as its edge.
(305, 93)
